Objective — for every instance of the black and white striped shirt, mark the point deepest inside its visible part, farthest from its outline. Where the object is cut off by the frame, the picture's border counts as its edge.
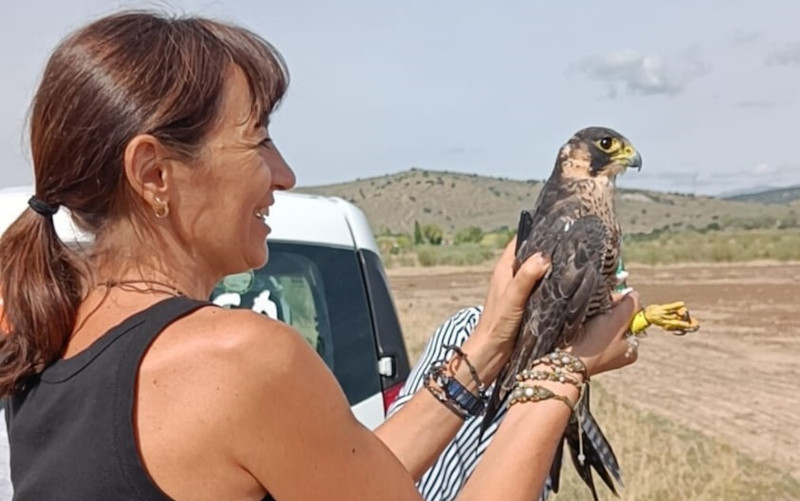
(450, 472)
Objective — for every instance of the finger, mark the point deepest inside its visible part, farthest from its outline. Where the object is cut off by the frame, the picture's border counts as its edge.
(531, 271)
(616, 297)
(674, 306)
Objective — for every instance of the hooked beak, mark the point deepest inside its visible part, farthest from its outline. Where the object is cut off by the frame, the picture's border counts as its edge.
(630, 158)
(635, 162)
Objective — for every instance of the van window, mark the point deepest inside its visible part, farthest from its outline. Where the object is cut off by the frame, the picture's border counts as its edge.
(319, 291)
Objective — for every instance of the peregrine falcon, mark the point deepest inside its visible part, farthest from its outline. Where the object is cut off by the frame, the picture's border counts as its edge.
(574, 223)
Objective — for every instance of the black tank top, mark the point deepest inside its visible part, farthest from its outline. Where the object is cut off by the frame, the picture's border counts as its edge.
(71, 432)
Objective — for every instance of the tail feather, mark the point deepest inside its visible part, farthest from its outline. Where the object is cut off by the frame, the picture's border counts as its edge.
(602, 449)
(555, 468)
(589, 440)
(591, 460)
(594, 435)
(584, 468)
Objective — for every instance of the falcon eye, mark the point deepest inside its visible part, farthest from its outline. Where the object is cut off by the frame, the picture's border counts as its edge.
(607, 144)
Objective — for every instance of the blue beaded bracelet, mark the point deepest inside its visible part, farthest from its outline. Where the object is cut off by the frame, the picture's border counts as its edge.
(472, 404)
(454, 395)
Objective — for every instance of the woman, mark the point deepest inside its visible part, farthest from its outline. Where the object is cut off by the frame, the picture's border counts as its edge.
(124, 383)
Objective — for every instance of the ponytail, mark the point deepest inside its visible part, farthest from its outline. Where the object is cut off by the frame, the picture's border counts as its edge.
(40, 282)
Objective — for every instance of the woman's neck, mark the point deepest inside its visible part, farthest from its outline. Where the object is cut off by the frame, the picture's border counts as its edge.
(126, 258)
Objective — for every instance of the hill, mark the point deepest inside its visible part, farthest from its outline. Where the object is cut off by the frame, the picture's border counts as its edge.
(770, 196)
(454, 201)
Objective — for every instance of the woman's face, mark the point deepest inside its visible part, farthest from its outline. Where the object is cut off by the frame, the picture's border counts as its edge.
(226, 193)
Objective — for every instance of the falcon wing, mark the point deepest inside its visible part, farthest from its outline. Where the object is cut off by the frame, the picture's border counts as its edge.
(559, 304)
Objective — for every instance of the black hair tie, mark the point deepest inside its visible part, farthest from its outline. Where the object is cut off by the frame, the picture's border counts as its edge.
(42, 208)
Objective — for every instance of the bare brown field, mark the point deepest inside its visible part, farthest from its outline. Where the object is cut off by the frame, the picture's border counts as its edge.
(735, 380)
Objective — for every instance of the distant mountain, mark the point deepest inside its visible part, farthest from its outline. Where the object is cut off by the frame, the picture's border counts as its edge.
(744, 191)
(454, 201)
(768, 195)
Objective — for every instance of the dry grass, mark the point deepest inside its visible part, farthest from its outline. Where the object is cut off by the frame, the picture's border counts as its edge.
(662, 460)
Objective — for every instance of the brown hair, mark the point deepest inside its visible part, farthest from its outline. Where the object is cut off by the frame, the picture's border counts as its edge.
(123, 75)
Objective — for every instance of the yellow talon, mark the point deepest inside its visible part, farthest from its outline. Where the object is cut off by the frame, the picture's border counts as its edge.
(672, 317)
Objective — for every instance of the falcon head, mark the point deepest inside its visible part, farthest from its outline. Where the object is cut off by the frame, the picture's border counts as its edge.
(597, 151)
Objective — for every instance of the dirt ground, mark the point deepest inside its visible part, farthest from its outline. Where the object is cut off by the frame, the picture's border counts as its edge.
(736, 379)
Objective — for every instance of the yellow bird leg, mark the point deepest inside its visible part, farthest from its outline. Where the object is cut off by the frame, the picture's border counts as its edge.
(672, 317)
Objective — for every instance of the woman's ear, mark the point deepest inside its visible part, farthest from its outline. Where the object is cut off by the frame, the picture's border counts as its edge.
(147, 169)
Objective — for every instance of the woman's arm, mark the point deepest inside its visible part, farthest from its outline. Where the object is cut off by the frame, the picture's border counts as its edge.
(292, 429)
(293, 417)
(420, 431)
(526, 441)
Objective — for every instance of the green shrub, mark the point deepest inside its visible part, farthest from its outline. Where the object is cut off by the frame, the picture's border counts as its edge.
(470, 234)
(433, 234)
(453, 255)
(661, 247)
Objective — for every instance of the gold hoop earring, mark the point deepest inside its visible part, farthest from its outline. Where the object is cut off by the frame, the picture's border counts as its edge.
(162, 209)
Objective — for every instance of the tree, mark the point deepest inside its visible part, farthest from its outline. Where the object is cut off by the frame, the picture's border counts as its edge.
(433, 234)
(470, 234)
(417, 233)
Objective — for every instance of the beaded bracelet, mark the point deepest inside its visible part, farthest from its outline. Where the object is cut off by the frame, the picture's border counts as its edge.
(523, 393)
(564, 366)
(557, 375)
(564, 360)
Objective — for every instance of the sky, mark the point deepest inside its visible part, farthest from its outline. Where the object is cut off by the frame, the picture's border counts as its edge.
(708, 91)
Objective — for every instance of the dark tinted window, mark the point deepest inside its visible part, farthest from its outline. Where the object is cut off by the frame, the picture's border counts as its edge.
(384, 314)
(320, 292)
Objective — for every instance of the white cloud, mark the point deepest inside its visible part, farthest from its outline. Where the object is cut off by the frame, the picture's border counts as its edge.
(645, 74)
(787, 55)
(761, 168)
(742, 37)
(756, 104)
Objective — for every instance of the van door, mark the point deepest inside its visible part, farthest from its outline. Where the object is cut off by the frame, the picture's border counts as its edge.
(318, 290)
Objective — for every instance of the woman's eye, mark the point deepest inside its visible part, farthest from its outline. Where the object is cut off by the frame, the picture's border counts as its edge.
(266, 143)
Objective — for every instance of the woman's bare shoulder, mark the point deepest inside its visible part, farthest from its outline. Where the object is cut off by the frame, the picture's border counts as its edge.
(268, 402)
(228, 341)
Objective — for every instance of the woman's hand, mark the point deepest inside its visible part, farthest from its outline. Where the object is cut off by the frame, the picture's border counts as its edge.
(509, 292)
(491, 343)
(602, 345)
